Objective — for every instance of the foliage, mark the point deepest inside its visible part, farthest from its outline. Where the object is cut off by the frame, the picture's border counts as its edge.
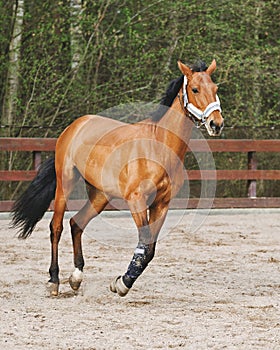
(128, 52)
(84, 56)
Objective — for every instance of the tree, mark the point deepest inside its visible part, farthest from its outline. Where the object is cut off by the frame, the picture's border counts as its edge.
(76, 33)
(12, 81)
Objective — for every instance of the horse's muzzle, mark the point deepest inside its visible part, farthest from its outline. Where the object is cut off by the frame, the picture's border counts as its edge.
(214, 127)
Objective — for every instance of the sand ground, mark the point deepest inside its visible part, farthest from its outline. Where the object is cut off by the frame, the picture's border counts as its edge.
(213, 284)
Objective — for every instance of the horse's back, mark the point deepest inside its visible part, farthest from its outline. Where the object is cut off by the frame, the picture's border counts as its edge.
(84, 131)
(87, 128)
(76, 142)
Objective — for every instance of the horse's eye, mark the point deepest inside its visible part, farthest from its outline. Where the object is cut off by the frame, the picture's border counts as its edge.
(195, 90)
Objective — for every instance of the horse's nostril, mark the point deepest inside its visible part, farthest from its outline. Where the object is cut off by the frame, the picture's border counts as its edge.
(212, 125)
(216, 128)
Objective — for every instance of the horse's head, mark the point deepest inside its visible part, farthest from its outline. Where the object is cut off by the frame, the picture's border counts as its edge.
(200, 97)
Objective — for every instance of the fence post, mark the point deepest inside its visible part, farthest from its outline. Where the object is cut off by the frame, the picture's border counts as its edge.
(252, 184)
(37, 160)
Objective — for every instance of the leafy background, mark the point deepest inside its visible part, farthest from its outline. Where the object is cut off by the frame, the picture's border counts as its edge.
(62, 59)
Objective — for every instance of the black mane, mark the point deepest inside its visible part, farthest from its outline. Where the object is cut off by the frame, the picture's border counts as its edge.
(172, 91)
(168, 98)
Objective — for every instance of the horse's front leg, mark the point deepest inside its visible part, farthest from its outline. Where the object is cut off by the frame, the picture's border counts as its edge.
(145, 250)
(143, 254)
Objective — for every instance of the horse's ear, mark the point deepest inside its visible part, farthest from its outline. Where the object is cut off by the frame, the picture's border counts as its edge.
(212, 67)
(185, 70)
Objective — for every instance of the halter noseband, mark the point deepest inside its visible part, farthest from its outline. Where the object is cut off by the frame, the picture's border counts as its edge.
(195, 112)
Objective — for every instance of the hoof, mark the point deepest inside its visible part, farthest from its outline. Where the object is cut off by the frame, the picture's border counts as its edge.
(117, 286)
(53, 289)
(75, 279)
(74, 284)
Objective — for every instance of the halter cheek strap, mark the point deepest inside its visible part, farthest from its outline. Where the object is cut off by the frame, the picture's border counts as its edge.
(196, 112)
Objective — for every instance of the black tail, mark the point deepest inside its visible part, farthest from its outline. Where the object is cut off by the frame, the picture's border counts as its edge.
(34, 202)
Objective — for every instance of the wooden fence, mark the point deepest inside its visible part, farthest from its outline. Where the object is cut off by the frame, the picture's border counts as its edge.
(250, 174)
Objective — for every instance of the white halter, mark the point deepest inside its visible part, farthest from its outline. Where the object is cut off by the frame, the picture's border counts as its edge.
(196, 112)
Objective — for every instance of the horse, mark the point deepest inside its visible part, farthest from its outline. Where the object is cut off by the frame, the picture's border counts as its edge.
(141, 163)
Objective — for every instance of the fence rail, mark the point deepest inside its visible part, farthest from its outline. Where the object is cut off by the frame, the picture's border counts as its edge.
(251, 173)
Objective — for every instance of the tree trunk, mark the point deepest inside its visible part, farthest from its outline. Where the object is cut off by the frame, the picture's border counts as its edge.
(256, 91)
(76, 33)
(9, 104)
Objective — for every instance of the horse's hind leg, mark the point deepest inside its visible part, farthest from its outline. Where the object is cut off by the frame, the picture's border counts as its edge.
(63, 190)
(96, 203)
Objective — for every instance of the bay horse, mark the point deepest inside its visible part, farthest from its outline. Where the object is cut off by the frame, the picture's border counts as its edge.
(141, 163)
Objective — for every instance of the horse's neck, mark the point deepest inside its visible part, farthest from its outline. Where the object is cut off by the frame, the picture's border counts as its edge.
(175, 128)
